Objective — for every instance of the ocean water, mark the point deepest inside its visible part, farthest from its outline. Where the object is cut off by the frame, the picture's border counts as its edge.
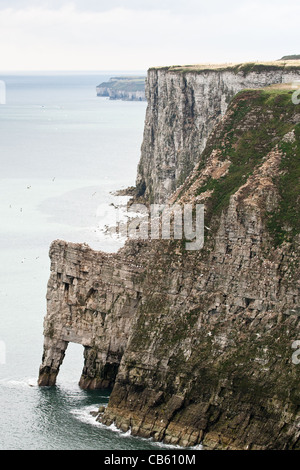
(62, 151)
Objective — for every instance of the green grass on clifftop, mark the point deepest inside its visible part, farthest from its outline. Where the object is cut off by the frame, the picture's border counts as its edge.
(257, 121)
(243, 68)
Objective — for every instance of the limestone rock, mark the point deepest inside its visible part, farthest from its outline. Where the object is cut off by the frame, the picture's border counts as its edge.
(184, 106)
(197, 345)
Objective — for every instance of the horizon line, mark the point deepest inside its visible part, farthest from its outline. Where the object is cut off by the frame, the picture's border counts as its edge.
(2, 72)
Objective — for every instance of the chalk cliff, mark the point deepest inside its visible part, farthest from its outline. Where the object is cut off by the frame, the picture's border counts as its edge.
(184, 105)
(123, 88)
(197, 345)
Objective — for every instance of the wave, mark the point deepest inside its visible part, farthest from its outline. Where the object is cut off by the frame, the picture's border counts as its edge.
(20, 383)
(83, 414)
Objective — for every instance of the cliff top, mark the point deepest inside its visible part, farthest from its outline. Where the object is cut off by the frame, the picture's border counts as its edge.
(282, 87)
(245, 68)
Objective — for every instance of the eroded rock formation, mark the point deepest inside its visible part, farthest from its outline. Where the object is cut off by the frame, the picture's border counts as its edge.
(210, 356)
(91, 300)
(198, 344)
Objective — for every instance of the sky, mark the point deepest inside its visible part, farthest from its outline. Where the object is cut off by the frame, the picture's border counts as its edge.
(86, 35)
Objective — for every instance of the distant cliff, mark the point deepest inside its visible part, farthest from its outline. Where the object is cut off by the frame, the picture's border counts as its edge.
(123, 88)
(291, 57)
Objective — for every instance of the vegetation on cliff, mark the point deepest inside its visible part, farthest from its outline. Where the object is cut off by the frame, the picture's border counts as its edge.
(184, 106)
(198, 344)
(291, 57)
(272, 115)
(243, 68)
(209, 358)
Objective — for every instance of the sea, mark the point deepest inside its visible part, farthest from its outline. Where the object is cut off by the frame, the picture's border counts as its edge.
(64, 152)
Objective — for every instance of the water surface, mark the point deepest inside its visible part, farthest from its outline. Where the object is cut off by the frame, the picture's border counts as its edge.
(62, 151)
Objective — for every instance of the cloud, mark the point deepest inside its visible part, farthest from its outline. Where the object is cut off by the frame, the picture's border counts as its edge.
(175, 6)
(60, 36)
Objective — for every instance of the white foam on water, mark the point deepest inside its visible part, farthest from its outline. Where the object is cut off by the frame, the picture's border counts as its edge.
(83, 414)
(24, 383)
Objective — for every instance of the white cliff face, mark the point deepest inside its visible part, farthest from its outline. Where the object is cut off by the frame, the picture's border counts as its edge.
(121, 94)
(183, 108)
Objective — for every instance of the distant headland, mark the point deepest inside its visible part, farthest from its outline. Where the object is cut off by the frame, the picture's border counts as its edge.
(291, 57)
(127, 88)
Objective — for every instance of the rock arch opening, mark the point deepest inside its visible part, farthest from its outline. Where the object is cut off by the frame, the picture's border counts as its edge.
(72, 366)
(92, 369)
(92, 298)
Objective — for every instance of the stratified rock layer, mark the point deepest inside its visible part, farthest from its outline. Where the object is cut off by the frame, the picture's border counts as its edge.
(91, 300)
(198, 344)
(210, 355)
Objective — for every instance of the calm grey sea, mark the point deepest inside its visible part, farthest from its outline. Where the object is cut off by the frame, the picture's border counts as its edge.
(62, 152)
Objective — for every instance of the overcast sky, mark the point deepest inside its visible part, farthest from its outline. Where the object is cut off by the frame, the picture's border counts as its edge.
(138, 34)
